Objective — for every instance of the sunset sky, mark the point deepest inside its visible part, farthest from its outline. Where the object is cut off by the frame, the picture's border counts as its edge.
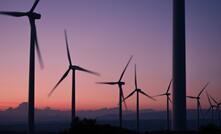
(102, 36)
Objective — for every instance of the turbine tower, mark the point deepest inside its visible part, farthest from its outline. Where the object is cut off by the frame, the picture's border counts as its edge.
(137, 90)
(120, 84)
(72, 68)
(32, 16)
(167, 94)
(197, 98)
(179, 66)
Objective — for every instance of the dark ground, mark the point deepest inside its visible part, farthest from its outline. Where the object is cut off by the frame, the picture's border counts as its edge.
(90, 126)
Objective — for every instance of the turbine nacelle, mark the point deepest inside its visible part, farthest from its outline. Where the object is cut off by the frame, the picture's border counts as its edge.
(138, 90)
(73, 67)
(168, 94)
(34, 15)
(31, 14)
(121, 83)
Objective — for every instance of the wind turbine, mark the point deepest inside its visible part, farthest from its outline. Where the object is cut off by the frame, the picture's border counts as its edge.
(167, 94)
(120, 84)
(197, 98)
(217, 107)
(137, 90)
(212, 106)
(32, 16)
(72, 68)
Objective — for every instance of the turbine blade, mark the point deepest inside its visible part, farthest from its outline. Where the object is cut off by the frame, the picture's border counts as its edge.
(130, 94)
(14, 14)
(135, 75)
(62, 78)
(147, 95)
(107, 83)
(125, 68)
(203, 89)
(169, 85)
(191, 97)
(37, 47)
(85, 70)
(170, 100)
(123, 99)
(67, 47)
(125, 105)
(207, 95)
(214, 100)
(159, 95)
(34, 6)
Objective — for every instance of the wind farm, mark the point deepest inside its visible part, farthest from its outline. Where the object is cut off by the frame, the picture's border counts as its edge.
(175, 43)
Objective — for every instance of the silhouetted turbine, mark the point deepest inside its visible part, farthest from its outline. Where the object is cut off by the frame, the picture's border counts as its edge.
(137, 90)
(33, 42)
(167, 94)
(211, 107)
(197, 98)
(120, 84)
(74, 68)
(217, 107)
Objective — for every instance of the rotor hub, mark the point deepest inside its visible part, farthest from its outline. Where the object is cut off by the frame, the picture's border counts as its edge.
(72, 67)
(121, 83)
(168, 94)
(34, 15)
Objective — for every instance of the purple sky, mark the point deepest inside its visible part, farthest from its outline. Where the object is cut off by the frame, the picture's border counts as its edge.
(102, 35)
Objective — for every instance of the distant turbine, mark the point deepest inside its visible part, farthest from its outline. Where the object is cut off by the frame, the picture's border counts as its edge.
(197, 98)
(167, 94)
(120, 84)
(212, 106)
(137, 90)
(218, 104)
(74, 68)
(32, 16)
